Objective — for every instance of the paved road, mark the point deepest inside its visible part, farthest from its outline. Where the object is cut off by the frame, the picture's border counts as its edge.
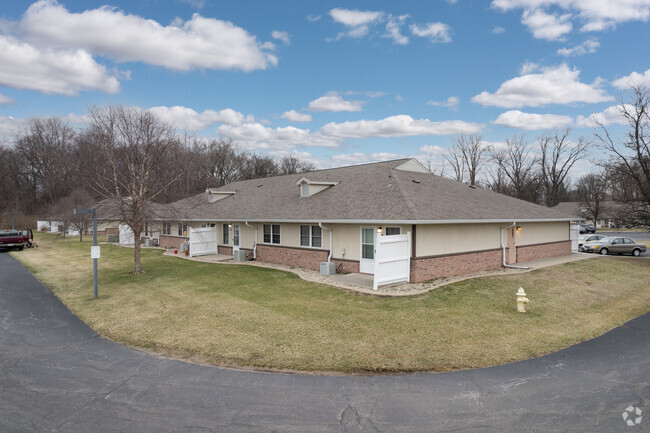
(57, 375)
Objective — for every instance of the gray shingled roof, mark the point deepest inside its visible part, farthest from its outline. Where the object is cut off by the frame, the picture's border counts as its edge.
(369, 192)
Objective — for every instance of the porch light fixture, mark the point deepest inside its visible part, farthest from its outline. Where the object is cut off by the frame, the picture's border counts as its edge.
(379, 230)
(518, 228)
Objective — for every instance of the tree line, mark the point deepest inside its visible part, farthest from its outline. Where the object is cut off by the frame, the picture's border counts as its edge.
(539, 171)
(49, 163)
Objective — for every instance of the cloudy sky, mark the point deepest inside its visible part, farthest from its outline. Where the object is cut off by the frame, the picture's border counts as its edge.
(333, 82)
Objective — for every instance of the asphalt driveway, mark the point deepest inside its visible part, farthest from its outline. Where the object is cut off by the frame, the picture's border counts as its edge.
(58, 375)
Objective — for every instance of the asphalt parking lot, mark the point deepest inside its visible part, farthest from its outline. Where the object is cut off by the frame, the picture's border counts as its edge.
(643, 237)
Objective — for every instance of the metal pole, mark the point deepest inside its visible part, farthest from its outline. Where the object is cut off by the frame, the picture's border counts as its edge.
(95, 260)
(13, 221)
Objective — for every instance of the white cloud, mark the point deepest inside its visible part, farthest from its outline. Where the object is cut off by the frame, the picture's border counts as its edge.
(435, 32)
(10, 126)
(528, 67)
(596, 15)
(357, 22)
(49, 70)
(433, 149)
(281, 35)
(497, 30)
(611, 115)
(200, 43)
(82, 119)
(552, 85)
(362, 158)
(186, 118)
(255, 136)
(532, 121)
(397, 126)
(587, 47)
(451, 103)
(6, 99)
(393, 30)
(551, 27)
(334, 102)
(634, 79)
(313, 18)
(294, 116)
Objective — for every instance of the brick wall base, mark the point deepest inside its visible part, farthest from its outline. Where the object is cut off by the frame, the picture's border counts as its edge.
(429, 268)
(227, 251)
(173, 242)
(346, 266)
(542, 251)
(299, 257)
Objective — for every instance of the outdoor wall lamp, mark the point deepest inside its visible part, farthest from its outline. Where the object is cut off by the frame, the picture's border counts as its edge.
(518, 228)
(379, 230)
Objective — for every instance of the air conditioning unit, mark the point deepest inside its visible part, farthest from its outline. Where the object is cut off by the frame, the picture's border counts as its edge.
(327, 268)
(240, 255)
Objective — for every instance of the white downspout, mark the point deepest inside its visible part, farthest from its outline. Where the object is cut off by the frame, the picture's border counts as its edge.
(255, 241)
(329, 257)
(514, 223)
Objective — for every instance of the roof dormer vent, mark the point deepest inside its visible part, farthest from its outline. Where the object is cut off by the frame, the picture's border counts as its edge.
(215, 195)
(311, 187)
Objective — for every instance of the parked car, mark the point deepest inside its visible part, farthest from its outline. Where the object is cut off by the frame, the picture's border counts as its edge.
(11, 239)
(615, 245)
(583, 239)
(587, 228)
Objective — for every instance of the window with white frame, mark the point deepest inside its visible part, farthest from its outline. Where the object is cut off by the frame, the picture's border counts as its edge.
(393, 231)
(311, 236)
(226, 234)
(166, 229)
(182, 230)
(271, 233)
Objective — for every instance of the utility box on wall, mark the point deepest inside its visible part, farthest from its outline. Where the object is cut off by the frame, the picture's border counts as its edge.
(327, 268)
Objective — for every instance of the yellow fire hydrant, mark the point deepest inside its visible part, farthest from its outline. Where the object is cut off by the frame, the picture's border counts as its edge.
(522, 300)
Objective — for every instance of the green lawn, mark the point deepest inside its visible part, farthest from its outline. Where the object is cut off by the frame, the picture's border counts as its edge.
(256, 317)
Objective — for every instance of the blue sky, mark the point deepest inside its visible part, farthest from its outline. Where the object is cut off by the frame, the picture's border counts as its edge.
(332, 82)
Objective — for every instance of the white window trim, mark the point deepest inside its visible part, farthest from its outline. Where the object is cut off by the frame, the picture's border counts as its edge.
(271, 233)
(311, 236)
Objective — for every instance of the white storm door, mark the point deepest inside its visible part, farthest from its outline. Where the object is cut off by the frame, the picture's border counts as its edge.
(367, 262)
(235, 238)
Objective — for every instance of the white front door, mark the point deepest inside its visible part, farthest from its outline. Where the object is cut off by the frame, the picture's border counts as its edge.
(367, 262)
(235, 238)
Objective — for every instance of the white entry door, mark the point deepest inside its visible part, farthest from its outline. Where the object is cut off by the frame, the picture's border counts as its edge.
(235, 238)
(367, 262)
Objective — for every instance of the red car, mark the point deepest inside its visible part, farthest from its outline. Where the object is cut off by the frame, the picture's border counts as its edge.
(12, 239)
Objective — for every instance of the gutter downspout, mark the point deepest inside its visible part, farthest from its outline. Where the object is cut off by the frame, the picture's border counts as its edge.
(514, 223)
(255, 241)
(329, 257)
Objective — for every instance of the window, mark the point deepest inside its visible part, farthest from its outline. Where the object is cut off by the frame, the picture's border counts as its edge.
(226, 234)
(147, 229)
(304, 190)
(235, 234)
(166, 230)
(182, 230)
(311, 236)
(390, 231)
(271, 233)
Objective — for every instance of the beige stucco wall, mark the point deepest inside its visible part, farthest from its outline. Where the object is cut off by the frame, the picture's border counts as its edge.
(540, 233)
(436, 239)
(440, 239)
(348, 237)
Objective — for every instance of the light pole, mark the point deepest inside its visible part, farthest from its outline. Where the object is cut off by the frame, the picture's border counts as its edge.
(94, 250)
(13, 220)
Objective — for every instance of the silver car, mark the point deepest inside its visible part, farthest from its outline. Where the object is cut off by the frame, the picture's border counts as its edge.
(583, 239)
(615, 246)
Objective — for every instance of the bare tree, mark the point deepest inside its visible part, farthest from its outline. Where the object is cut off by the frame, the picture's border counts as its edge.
(290, 164)
(516, 171)
(629, 162)
(592, 193)
(135, 147)
(467, 157)
(43, 150)
(557, 156)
